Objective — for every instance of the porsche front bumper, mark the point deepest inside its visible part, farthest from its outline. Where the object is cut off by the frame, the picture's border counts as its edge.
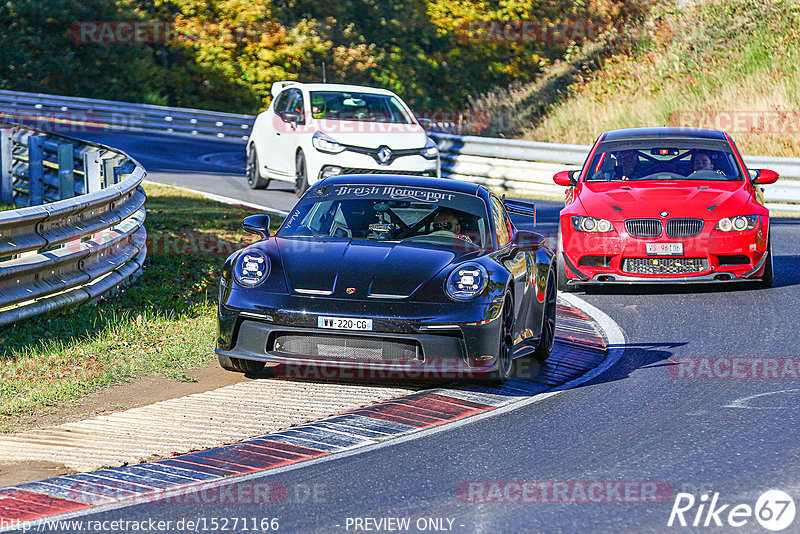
(424, 340)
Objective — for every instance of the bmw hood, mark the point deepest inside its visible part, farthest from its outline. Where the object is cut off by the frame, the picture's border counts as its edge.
(616, 201)
(348, 269)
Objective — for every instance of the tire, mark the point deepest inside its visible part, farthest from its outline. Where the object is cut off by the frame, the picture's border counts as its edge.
(561, 268)
(254, 179)
(768, 277)
(301, 174)
(547, 337)
(237, 365)
(505, 350)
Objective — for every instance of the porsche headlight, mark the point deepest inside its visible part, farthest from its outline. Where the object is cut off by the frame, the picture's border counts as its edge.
(326, 143)
(430, 151)
(592, 224)
(251, 268)
(467, 281)
(738, 224)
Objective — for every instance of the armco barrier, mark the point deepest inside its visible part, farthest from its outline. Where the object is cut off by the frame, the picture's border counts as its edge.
(79, 231)
(36, 108)
(525, 167)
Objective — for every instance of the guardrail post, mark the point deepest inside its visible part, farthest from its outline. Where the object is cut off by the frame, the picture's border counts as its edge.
(35, 170)
(92, 178)
(108, 172)
(6, 155)
(66, 166)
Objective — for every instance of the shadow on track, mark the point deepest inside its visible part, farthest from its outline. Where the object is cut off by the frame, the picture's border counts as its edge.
(636, 356)
(787, 271)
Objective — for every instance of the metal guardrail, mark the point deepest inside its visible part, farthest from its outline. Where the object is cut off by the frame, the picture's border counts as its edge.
(525, 167)
(38, 108)
(79, 232)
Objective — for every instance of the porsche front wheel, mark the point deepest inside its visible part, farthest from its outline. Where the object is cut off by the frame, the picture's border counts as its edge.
(505, 360)
(548, 335)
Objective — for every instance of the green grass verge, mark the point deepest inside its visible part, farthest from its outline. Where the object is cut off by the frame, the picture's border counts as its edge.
(162, 324)
(701, 61)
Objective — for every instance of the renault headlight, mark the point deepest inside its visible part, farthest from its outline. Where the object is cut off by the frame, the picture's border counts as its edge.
(738, 224)
(592, 224)
(467, 281)
(251, 268)
(326, 143)
(430, 150)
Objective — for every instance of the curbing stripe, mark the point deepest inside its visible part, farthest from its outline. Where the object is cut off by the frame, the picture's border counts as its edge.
(167, 472)
(291, 440)
(20, 505)
(303, 452)
(192, 466)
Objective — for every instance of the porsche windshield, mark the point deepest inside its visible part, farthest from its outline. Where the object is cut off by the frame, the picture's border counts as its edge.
(392, 213)
(353, 106)
(663, 161)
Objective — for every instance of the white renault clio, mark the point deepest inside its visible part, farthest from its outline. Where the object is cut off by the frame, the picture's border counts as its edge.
(312, 131)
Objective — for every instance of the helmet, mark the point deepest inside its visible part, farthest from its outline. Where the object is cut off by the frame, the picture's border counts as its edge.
(318, 107)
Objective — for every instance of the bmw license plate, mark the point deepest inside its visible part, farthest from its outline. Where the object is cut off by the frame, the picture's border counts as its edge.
(344, 323)
(665, 249)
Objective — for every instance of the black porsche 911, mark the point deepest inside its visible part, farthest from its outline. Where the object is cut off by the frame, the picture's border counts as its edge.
(424, 276)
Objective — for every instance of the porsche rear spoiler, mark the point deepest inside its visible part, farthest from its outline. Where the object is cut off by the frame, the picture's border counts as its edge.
(520, 207)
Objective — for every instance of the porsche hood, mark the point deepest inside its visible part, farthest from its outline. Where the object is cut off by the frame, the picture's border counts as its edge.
(359, 270)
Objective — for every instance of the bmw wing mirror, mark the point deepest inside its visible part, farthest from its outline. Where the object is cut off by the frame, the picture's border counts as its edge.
(257, 224)
(763, 176)
(567, 178)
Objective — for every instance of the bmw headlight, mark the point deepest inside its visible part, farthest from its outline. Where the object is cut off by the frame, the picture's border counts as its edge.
(738, 224)
(326, 143)
(252, 268)
(592, 224)
(430, 150)
(467, 281)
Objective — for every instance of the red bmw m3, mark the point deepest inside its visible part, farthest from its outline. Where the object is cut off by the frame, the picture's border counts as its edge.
(664, 205)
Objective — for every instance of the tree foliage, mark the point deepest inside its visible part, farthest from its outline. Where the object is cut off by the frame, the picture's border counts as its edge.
(227, 53)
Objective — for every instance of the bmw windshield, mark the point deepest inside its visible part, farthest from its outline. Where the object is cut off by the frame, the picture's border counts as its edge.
(666, 159)
(429, 217)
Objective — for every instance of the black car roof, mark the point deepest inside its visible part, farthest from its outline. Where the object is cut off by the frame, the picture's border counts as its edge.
(663, 131)
(445, 184)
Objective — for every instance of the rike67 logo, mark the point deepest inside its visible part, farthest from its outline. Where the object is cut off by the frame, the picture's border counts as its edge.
(774, 510)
